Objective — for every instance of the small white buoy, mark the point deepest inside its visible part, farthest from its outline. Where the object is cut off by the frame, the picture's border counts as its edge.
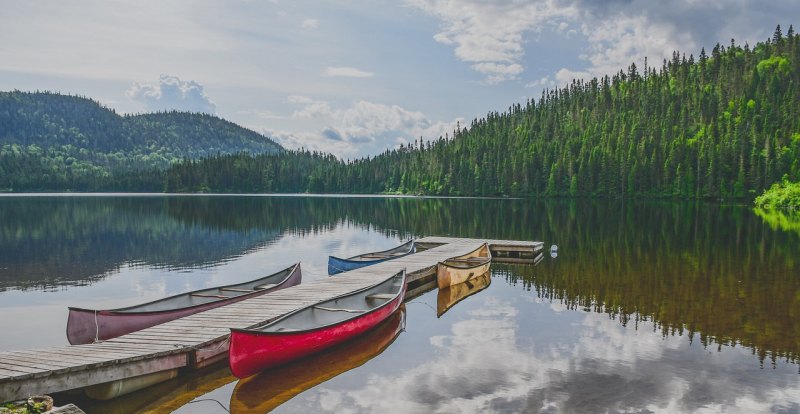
(554, 251)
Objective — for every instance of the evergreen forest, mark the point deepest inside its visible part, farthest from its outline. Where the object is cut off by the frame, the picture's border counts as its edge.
(723, 124)
(54, 142)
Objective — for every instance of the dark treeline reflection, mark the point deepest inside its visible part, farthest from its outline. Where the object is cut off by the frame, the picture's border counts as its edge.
(717, 271)
(57, 241)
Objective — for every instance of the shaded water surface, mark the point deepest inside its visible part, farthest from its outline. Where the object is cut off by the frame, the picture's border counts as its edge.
(662, 307)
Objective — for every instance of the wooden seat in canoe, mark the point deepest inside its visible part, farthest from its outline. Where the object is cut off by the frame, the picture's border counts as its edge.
(264, 286)
(380, 296)
(237, 290)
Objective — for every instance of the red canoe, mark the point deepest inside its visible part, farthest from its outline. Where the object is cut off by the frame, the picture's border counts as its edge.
(314, 328)
(267, 390)
(87, 325)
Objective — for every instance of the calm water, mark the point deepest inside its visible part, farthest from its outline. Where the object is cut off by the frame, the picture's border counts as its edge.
(648, 307)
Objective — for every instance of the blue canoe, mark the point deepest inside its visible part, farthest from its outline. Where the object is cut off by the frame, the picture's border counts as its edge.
(338, 265)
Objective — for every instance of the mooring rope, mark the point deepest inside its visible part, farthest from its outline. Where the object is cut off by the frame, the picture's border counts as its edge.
(403, 322)
(336, 268)
(96, 328)
(195, 348)
(210, 399)
(423, 303)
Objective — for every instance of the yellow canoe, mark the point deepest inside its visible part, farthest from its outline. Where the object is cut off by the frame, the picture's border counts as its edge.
(459, 269)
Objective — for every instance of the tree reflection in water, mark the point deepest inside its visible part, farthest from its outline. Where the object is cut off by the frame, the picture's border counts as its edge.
(714, 274)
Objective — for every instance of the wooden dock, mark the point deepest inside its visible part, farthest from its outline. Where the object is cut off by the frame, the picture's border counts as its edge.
(157, 353)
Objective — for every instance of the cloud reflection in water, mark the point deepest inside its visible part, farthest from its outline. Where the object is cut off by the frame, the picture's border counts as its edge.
(498, 358)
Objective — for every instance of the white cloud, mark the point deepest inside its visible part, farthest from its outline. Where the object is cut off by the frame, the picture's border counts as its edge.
(491, 34)
(312, 141)
(543, 82)
(618, 33)
(310, 108)
(616, 42)
(360, 129)
(564, 75)
(310, 24)
(256, 53)
(498, 72)
(347, 72)
(262, 114)
(172, 93)
(268, 115)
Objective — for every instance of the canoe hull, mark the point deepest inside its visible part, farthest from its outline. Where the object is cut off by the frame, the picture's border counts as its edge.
(266, 391)
(447, 276)
(85, 326)
(338, 265)
(253, 351)
(459, 269)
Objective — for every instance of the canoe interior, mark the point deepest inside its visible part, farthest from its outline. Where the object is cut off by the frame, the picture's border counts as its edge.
(422, 246)
(467, 263)
(401, 250)
(338, 265)
(351, 306)
(214, 294)
(475, 258)
(480, 252)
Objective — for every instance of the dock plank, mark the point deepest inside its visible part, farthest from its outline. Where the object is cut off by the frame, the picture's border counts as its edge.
(16, 366)
(57, 356)
(10, 373)
(33, 362)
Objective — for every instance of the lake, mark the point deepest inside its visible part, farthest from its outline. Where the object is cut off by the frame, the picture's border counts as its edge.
(647, 306)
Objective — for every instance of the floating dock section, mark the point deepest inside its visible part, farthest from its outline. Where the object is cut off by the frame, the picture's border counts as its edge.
(117, 366)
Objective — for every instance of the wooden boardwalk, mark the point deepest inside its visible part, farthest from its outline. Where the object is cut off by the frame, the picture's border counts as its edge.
(201, 339)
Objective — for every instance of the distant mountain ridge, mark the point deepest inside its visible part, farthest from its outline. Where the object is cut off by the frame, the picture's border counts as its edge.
(50, 141)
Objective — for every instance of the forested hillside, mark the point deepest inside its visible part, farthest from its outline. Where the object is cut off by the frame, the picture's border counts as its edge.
(723, 124)
(58, 142)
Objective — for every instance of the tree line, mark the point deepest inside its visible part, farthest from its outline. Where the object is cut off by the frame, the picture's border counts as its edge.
(50, 141)
(723, 124)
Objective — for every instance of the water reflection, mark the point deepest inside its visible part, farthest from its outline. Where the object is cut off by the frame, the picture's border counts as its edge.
(718, 271)
(780, 220)
(664, 303)
(448, 297)
(48, 242)
(508, 353)
(263, 392)
(162, 398)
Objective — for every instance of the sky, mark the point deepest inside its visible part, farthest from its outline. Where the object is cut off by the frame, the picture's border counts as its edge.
(352, 78)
